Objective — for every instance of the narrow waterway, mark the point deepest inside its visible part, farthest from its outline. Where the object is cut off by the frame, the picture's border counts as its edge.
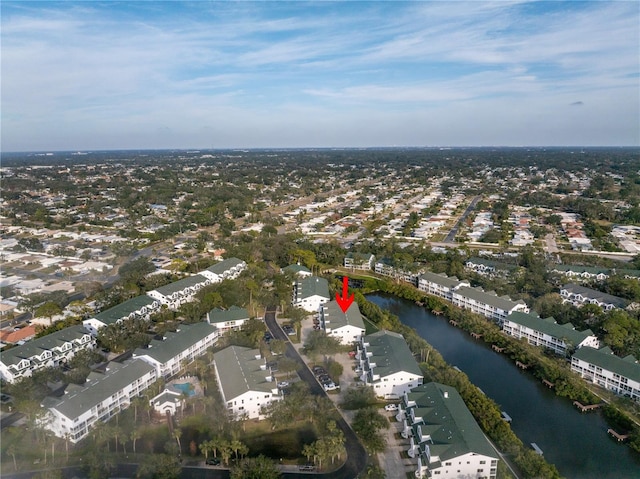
(576, 443)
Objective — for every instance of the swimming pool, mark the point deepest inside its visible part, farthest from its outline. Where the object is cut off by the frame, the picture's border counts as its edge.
(185, 388)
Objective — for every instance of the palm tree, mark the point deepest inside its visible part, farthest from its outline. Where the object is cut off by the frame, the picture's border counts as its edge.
(177, 433)
(215, 444)
(205, 447)
(135, 435)
(11, 450)
(308, 451)
(225, 452)
(235, 446)
(67, 436)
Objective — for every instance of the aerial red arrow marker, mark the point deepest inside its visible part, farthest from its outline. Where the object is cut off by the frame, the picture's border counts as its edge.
(345, 300)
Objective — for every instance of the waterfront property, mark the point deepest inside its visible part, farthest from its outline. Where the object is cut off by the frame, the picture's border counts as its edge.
(48, 351)
(439, 284)
(488, 267)
(387, 364)
(579, 295)
(562, 339)
(444, 437)
(310, 292)
(227, 319)
(489, 305)
(347, 327)
(602, 367)
(245, 382)
(359, 261)
(139, 307)
(176, 349)
(101, 397)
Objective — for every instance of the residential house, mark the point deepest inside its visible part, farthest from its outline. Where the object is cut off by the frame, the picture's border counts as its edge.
(588, 273)
(48, 351)
(347, 327)
(139, 307)
(101, 397)
(444, 436)
(167, 401)
(228, 319)
(547, 333)
(245, 382)
(387, 364)
(19, 336)
(169, 355)
(602, 367)
(310, 292)
(359, 261)
(579, 295)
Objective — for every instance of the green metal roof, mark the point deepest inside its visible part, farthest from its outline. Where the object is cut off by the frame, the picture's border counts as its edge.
(456, 432)
(312, 286)
(296, 268)
(241, 370)
(123, 310)
(337, 318)
(499, 302)
(441, 279)
(184, 283)
(224, 265)
(595, 294)
(37, 346)
(550, 327)
(175, 343)
(604, 358)
(581, 269)
(492, 263)
(98, 387)
(391, 354)
(234, 313)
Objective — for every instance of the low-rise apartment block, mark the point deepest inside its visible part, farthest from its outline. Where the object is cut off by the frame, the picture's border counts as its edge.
(101, 397)
(359, 261)
(439, 284)
(179, 292)
(187, 343)
(139, 307)
(387, 364)
(245, 382)
(444, 436)
(562, 339)
(347, 327)
(310, 292)
(48, 351)
(579, 295)
(602, 367)
(228, 319)
(225, 269)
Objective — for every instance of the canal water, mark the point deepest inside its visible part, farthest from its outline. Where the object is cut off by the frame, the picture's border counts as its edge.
(577, 443)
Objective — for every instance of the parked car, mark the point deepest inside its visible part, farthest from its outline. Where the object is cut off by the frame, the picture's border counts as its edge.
(307, 467)
(283, 384)
(212, 461)
(391, 407)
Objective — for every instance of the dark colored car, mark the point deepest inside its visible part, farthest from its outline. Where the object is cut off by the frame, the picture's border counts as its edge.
(212, 461)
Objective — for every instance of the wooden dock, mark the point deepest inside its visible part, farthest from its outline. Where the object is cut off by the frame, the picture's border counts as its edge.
(522, 365)
(505, 416)
(536, 448)
(619, 437)
(453, 323)
(497, 348)
(476, 335)
(584, 408)
(549, 384)
(437, 313)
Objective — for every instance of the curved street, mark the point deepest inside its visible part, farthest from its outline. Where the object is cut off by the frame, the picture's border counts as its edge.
(356, 454)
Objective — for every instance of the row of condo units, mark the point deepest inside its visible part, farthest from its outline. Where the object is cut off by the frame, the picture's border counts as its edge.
(244, 380)
(516, 320)
(444, 437)
(107, 392)
(172, 295)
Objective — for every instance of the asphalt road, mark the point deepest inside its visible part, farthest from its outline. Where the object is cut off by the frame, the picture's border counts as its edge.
(356, 454)
(454, 231)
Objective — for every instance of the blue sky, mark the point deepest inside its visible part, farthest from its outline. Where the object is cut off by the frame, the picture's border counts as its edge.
(117, 75)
